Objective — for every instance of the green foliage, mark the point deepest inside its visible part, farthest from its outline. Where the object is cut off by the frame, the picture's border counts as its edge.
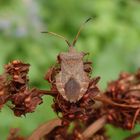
(112, 38)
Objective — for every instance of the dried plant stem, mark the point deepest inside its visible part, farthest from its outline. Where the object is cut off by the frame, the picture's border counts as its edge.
(135, 117)
(47, 92)
(104, 99)
(93, 128)
(44, 129)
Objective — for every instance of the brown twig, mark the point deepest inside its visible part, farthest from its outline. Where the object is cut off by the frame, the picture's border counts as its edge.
(47, 92)
(44, 129)
(93, 128)
(105, 99)
(135, 117)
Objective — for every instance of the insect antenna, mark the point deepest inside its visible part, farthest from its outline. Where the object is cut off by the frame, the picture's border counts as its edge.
(52, 33)
(81, 27)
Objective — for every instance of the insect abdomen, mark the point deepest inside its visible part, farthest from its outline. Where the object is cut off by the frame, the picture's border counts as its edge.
(72, 89)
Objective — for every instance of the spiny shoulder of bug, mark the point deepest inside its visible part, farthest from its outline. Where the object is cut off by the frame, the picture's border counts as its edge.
(72, 54)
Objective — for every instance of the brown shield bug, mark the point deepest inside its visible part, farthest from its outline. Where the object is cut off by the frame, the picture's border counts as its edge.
(72, 81)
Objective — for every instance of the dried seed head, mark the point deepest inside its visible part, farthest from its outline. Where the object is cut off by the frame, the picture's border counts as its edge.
(1, 92)
(16, 68)
(71, 116)
(128, 125)
(110, 118)
(15, 77)
(28, 99)
(16, 62)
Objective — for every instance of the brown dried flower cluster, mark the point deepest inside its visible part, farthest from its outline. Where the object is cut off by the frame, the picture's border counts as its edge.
(14, 87)
(124, 93)
(120, 103)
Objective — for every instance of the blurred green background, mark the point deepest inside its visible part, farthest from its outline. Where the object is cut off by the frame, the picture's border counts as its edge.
(112, 38)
